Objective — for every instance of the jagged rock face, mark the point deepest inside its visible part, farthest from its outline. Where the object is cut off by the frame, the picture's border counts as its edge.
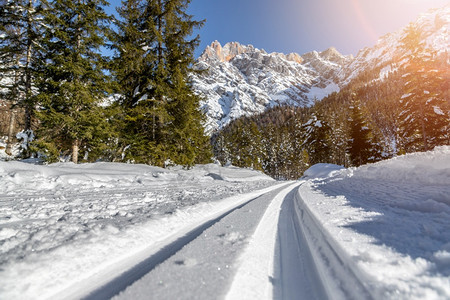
(243, 80)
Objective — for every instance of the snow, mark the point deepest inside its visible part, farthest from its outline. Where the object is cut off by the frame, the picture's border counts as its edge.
(203, 267)
(15, 149)
(322, 170)
(250, 281)
(388, 222)
(438, 110)
(320, 93)
(62, 224)
(379, 231)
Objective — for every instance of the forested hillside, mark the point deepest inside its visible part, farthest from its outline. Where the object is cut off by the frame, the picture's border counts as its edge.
(370, 119)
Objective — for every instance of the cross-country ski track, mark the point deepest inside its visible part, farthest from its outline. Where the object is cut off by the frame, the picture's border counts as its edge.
(255, 249)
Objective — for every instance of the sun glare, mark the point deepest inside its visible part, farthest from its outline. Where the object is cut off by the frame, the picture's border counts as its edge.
(362, 18)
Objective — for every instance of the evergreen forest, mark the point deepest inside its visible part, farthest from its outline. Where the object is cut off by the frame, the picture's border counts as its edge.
(72, 101)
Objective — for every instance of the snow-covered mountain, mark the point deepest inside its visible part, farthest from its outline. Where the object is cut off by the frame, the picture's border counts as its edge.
(243, 80)
(386, 55)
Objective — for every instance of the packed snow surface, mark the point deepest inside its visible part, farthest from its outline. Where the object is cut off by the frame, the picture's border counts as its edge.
(62, 224)
(389, 222)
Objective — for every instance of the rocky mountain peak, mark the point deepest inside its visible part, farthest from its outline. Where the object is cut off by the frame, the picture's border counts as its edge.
(215, 51)
(294, 57)
(331, 54)
(230, 50)
(243, 80)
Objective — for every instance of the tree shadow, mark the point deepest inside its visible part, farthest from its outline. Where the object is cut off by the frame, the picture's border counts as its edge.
(411, 220)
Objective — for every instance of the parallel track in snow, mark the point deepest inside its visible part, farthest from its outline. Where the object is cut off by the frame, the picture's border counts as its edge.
(167, 253)
(337, 273)
(205, 261)
(296, 274)
(126, 279)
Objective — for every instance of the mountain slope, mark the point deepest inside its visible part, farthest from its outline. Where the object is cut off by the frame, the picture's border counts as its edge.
(242, 80)
(386, 55)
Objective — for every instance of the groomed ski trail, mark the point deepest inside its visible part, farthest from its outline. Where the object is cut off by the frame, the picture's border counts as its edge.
(265, 246)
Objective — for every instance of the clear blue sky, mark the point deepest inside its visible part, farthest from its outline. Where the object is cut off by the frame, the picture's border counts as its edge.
(303, 25)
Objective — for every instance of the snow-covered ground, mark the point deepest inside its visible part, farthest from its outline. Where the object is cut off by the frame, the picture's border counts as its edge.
(62, 224)
(386, 225)
(380, 231)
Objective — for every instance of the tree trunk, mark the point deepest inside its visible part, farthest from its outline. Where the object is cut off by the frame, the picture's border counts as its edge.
(75, 150)
(11, 130)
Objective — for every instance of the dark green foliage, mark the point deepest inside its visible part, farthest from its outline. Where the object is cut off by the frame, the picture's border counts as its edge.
(20, 29)
(316, 134)
(72, 81)
(361, 146)
(162, 119)
(268, 142)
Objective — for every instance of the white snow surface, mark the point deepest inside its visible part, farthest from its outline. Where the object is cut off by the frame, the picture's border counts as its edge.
(322, 170)
(387, 222)
(380, 231)
(67, 227)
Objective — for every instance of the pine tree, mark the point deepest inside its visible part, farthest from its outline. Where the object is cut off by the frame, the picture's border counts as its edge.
(316, 139)
(185, 138)
(360, 146)
(133, 67)
(424, 118)
(163, 113)
(20, 28)
(73, 82)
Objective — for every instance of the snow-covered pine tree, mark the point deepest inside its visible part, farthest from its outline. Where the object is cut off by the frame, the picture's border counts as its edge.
(133, 60)
(246, 143)
(316, 132)
(186, 138)
(133, 68)
(424, 117)
(73, 81)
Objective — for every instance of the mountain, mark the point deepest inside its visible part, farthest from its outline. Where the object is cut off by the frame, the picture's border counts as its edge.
(237, 80)
(388, 55)
(243, 80)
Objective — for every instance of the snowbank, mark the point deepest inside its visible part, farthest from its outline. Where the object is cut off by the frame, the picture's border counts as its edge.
(19, 175)
(431, 167)
(385, 225)
(322, 170)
